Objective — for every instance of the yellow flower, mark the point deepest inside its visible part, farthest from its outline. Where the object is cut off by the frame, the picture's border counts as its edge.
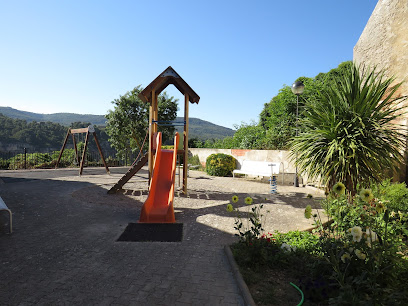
(235, 199)
(360, 254)
(230, 208)
(345, 256)
(366, 195)
(248, 200)
(380, 207)
(339, 188)
(308, 212)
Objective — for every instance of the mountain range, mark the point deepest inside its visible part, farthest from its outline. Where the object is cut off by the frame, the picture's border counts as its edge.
(198, 128)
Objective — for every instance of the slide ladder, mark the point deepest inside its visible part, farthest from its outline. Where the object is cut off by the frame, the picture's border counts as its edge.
(129, 174)
(158, 207)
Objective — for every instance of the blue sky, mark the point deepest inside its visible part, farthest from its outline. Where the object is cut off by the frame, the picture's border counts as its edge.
(78, 56)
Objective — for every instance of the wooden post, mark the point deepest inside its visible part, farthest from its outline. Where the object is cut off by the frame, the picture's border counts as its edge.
(150, 155)
(84, 153)
(100, 152)
(75, 148)
(185, 144)
(153, 113)
(63, 147)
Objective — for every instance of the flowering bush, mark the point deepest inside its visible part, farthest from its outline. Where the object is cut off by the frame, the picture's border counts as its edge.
(364, 244)
(220, 164)
(253, 228)
(357, 257)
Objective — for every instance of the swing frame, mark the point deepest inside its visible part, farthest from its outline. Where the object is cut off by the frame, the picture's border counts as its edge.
(87, 130)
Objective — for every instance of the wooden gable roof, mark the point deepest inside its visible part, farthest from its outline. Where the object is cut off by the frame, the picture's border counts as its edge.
(167, 77)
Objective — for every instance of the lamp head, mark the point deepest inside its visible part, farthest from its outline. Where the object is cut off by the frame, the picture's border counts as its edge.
(298, 87)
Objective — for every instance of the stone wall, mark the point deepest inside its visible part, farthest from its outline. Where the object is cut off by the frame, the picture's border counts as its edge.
(384, 41)
(384, 44)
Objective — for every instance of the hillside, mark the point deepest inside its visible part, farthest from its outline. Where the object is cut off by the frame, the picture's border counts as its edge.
(62, 118)
(197, 128)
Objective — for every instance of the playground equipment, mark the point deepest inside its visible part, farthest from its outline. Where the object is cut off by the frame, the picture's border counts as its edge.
(149, 95)
(158, 207)
(87, 130)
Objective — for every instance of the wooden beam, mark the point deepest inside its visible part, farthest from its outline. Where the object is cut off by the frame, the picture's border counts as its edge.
(100, 152)
(84, 154)
(62, 149)
(78, 131)
(75, 148)
(185, 143)
(152, 130)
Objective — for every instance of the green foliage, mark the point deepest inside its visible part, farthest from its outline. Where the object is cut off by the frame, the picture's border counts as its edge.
(127, 125)
(220, 164)
(194, 161)
(395, 195)
(251, 232)
(277, 122)
(278, 117)
(350, 133)
(365, 245)
(249, 136)
(359, 257)
(36, 134)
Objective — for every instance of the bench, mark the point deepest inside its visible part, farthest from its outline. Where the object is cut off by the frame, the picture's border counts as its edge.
(3, 206)
(258, 168)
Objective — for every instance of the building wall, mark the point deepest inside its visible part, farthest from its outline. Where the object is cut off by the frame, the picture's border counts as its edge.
(384, 41)
(384, 44)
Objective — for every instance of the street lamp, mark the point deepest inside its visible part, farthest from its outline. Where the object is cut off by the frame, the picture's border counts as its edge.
(297, 88)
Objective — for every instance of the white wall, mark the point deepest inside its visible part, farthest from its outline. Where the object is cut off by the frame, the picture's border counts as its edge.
(277, 156)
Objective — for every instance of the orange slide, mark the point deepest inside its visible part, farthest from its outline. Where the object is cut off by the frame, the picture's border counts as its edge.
(158, 207)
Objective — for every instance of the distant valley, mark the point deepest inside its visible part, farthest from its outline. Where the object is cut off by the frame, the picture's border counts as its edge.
(198, 128)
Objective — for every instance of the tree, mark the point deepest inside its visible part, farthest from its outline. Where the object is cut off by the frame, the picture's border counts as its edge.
(279, 115)
(127, 125)
(249, 136)
(350, 132)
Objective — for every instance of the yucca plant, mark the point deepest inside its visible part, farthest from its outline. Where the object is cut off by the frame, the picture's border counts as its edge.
(351, 134)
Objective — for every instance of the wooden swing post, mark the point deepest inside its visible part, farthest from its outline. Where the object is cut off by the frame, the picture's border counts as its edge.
(87, 130)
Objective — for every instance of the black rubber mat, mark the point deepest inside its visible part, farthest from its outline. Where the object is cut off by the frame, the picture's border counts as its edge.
(144, 232)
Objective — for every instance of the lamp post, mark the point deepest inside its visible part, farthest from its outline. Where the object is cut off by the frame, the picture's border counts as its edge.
(297, 88)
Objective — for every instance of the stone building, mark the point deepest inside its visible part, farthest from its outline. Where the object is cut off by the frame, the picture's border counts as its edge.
(384, 44)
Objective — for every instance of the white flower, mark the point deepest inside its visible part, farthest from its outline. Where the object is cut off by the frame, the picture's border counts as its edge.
(357, 233)
(371, 236)
(288, 248)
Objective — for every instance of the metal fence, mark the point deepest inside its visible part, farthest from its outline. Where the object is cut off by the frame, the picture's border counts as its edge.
(23, 159)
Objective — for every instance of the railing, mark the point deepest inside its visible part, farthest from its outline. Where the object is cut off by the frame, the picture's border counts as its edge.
(14, 160)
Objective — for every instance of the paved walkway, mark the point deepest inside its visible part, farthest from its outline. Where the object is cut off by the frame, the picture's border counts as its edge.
(63, 250)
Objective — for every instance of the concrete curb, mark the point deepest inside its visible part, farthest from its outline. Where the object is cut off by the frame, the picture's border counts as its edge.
(240, 281)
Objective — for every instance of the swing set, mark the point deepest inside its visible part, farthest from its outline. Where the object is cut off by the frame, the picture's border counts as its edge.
(88, 130)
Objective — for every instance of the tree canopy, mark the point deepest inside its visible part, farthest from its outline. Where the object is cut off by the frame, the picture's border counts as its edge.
(127, 125)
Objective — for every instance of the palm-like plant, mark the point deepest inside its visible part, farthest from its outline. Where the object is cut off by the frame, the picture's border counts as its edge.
(351, 134)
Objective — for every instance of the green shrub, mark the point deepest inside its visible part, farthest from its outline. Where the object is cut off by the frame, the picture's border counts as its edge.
(220, 164)
(194, 160)
(395, 195)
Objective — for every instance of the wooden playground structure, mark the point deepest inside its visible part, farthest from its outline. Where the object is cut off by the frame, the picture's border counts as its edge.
(88, 130)
(150, 95)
